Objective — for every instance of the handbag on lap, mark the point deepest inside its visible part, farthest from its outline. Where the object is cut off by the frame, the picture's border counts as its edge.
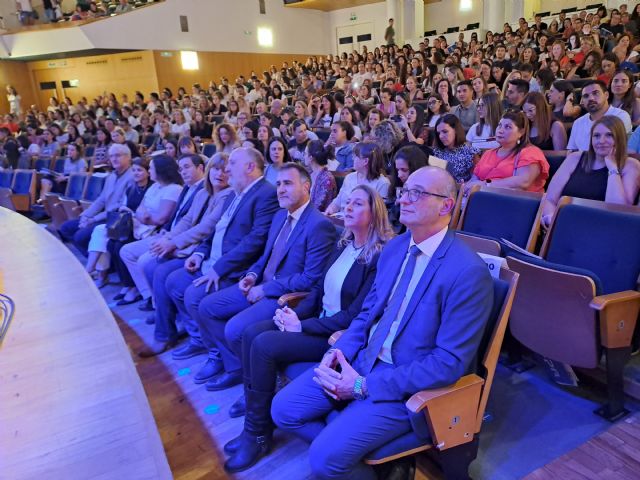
(119, 225)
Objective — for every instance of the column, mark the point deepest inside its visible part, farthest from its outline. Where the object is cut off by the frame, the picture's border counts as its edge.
(412, 21)
(493, 15)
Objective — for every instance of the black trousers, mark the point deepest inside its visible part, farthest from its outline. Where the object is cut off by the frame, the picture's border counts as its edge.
(265, 350)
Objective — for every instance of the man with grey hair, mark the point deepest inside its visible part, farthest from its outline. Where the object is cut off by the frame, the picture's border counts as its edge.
(115, 186)
(421, 328)
(236, 242)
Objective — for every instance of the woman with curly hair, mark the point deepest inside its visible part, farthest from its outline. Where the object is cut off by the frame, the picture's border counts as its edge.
(225, 138)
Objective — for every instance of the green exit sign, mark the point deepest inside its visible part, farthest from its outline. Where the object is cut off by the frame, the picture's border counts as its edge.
(354, 17)
(166, 54)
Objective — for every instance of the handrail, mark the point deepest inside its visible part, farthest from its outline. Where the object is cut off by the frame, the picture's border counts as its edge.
(69, 23)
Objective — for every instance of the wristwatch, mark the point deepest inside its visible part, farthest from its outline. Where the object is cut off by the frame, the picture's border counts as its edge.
(614, 171)
(360, 388)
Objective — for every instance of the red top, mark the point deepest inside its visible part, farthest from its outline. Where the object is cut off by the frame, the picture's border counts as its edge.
(492, 167)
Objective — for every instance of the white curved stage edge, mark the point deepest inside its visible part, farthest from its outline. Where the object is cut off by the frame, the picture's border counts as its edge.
(71, 403)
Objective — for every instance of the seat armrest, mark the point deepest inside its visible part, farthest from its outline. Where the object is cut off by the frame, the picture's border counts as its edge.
(335, 337)
(451, 412)
(292, 299)
(618, 314)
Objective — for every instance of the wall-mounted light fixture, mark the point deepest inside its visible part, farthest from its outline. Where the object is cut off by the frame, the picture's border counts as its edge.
(265, 37)
(189, 60)
(465, 5)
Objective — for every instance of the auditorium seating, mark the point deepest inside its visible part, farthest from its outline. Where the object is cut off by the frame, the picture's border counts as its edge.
(23, 189)
(579, 299)
(498, 213)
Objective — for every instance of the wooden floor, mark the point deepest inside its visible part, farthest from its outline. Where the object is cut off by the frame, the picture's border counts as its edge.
(614, 454)
(193, 423)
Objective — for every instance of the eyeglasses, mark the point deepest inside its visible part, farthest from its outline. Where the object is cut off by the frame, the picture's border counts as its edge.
(414, 195)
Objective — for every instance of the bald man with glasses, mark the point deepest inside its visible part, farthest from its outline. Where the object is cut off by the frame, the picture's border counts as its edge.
(420, 327)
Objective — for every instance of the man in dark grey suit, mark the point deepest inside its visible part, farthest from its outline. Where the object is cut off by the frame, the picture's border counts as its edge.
(300, 242)
(420, 327)
(237, 241)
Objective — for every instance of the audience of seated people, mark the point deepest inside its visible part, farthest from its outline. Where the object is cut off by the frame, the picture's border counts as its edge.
(217, 241)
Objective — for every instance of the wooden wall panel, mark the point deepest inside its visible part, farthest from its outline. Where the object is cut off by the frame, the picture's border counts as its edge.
(213, 65)
(147, 71)
(17, 74)
(118, 73)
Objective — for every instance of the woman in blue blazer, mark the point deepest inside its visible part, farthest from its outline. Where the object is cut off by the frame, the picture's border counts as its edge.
(331, 305)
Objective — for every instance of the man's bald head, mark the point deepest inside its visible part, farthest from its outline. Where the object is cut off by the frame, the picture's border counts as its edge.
(427, 201)
(437, 180)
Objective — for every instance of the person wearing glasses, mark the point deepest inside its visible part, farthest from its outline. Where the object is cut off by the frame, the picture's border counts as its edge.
(115, 186)
(421, 327)
(482, 134)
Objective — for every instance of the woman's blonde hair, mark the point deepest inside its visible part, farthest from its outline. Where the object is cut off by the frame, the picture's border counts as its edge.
(616, 127)
(380, 231)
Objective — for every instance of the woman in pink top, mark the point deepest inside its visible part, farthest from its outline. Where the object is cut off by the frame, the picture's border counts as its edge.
(516, 163)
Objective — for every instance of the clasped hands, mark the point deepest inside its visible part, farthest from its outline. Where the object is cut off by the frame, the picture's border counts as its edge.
(248, 287)
(287, 320)
(338, 385)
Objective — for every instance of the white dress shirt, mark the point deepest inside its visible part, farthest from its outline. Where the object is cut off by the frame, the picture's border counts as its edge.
(334, 279)
(221, 229)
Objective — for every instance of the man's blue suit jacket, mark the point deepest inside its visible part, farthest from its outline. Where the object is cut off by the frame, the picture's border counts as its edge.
(308, 249)
(440, 333)
(245, 237)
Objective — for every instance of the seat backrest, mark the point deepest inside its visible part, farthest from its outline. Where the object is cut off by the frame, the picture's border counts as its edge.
(75, 186)
(95, 183)
(598, 237)
(149, 140)
(209, 149)
(503, 213)
(555, 159)
(5, 199)
(22, 181)
(40, 163)
(89, 151)
(504, 290)
(323, 134)
(58, 165)
(6, 178)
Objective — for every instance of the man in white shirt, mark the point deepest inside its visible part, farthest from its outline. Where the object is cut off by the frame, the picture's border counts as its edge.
(595, 99)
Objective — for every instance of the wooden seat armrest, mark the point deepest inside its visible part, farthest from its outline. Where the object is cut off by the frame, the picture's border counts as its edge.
(618, 314)
(335, 337)
(84, 204)
(451, 412)
(292, 299)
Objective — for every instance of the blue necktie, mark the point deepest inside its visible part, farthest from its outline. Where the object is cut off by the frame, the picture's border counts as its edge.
(277, 251)
(390, 314)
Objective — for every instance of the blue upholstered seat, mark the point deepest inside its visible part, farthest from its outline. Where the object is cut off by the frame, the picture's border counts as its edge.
(6, 177)
(495, 215)
(94, 187)
(58, 165)
(22, 182)
(75, 187)
(41, 163)
(606, 243)
(209, 149)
